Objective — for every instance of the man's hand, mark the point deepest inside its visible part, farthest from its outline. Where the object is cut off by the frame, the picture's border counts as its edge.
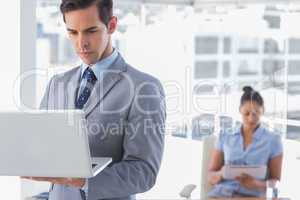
(250, 182)
(75, 182)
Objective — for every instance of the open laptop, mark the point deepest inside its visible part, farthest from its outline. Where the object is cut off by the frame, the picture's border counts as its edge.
(47, 144)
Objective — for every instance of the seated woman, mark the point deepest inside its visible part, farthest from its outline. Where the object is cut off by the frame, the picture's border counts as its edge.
(252, 144)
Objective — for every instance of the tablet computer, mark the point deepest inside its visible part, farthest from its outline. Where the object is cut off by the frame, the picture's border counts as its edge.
(233, 171)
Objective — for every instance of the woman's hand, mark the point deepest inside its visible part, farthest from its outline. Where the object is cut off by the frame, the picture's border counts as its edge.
(250, 182)
(216, 177)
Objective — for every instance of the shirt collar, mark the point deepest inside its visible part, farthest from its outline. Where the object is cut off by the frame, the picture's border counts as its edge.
(101, 65)
(257, 134)
(259, 131)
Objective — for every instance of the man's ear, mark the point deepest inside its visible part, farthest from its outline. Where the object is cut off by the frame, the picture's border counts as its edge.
(112, 25)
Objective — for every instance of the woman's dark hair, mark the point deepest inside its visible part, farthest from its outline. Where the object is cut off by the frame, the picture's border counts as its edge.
(105, 7)
(251, 95)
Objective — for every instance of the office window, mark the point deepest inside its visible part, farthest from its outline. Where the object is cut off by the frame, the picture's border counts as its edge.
(293, 89)
(180, 131)
(272, 66)
(206, 69)
(53, 46)
(226, 88)
(203, 89)
(293, 132)
(206, 45)
(226, 69)
(271, 46)
(248, 45)
(273, 21)
(227, 45)
(271, 82)
(294, 67)
(226, 124)
(248, 67)
(294, 45)
(202, 125)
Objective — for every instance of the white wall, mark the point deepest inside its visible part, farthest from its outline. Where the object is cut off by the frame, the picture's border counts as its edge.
(10, 65)
(9, 51)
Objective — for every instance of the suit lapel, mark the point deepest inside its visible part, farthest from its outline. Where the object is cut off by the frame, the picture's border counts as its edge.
(71, 89)
(109, 79)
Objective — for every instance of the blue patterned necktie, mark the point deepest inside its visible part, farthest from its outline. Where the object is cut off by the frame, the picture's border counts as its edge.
(87, 83)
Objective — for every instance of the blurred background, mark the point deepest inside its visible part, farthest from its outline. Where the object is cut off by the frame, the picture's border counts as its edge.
(204, 52)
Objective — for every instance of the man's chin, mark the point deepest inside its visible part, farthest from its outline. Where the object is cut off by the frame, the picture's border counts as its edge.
(88, 61)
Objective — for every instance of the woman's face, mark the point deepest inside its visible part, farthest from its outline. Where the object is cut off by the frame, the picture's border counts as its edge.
(251, 113)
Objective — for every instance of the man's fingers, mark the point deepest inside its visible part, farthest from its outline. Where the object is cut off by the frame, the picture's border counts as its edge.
(62, 181)
(36, 178)
(26, 177)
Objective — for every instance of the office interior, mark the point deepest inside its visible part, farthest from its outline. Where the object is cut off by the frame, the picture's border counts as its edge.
(204, 52)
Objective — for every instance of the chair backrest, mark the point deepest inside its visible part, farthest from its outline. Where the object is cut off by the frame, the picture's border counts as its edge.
(207, 149)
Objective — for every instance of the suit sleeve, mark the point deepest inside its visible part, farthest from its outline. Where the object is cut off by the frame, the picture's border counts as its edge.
(143, 147)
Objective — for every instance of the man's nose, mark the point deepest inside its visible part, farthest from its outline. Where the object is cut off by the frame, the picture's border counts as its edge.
(83, 43)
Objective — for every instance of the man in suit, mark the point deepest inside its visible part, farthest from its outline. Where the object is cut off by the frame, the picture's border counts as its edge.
(124, 108)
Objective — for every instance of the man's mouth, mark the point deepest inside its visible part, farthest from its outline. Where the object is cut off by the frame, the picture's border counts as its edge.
(85, 53)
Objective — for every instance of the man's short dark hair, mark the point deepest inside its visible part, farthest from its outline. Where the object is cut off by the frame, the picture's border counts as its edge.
(105, 7)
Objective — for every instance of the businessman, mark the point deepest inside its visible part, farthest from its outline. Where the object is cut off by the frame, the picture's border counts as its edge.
(124, 108)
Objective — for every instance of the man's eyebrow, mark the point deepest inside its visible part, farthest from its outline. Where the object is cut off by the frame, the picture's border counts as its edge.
(71, 30)
(88, 29)
(91, 28)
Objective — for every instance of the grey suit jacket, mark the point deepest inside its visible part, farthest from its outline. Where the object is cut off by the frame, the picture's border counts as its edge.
(125, 119)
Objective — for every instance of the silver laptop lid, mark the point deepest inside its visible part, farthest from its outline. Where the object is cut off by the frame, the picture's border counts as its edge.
(44, 143)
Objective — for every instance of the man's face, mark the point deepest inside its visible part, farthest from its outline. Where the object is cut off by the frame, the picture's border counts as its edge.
(89, 35)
